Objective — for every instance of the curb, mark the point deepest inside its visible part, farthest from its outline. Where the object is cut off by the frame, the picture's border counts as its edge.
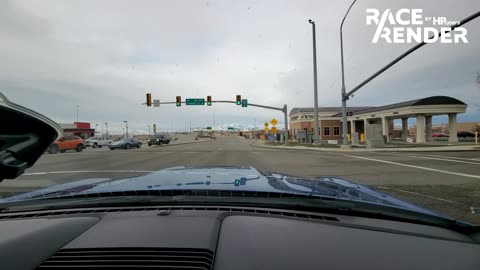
(433, 149)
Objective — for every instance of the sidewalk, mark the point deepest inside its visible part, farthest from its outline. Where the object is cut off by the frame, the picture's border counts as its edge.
(471, 147)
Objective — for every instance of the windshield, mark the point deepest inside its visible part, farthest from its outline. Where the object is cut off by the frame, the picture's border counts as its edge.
(256, 96)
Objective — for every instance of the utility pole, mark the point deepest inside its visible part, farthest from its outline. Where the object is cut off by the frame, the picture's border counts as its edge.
(315, 90)
(344, 94)
(106, 127)
(126, 129)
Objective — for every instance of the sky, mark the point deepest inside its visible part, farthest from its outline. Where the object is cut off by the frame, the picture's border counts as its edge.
(104, 56)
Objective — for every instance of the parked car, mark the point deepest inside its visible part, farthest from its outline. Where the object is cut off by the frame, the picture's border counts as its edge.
(67, 142)
(465, 134)
(97, 142)
(126, 144)
(158, 140)
(439, 134)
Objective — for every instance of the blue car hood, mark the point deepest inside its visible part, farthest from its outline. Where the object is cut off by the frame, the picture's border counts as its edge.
(227, 179)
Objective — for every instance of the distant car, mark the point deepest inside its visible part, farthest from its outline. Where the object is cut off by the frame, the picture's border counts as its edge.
(97, 142)
(158, 140)
(439, 134)
(465, 134)
(67, 142)
(125, 144)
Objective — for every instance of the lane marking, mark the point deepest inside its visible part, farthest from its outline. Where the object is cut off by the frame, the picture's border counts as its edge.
(435, 158)
(416, 167)
(90, 171)
(448, 157)
(423, 195)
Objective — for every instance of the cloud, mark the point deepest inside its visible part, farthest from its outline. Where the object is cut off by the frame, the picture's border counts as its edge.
(104, 56)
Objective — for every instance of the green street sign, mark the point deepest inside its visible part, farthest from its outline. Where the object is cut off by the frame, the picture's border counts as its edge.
(195, 101)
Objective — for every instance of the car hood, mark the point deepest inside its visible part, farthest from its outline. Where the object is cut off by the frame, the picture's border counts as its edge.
(227, 179)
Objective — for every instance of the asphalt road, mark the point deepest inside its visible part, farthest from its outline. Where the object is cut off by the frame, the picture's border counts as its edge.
(446, 182)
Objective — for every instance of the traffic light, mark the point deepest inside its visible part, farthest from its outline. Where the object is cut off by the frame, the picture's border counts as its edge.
(209, 100)
(239, 100)
(149, 99)
(179, 101)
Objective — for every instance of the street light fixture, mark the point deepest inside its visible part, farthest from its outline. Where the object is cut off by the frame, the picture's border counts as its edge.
(344, 94)
(315, 90)
(126, 129)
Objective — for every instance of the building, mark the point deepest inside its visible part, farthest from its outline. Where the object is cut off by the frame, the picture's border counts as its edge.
(368, 121)
(81, 129)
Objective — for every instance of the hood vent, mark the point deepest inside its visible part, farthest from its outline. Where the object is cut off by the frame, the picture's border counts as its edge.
(130, 258)
(136, 209)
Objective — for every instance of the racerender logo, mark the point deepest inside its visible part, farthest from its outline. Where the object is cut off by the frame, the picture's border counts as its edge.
(409, 25)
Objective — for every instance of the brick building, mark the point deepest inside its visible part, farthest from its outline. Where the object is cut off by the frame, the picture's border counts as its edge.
(380, 118)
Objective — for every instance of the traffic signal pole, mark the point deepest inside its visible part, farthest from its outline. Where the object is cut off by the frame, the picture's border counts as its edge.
(283, 109)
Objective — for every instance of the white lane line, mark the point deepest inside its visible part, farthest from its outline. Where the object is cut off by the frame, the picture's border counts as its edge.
(416, 167)
(90, 171)
(423, 195)
(449, 157)
(435, 158)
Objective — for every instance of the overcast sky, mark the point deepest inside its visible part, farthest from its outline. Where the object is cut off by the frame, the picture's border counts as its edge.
(105, 55)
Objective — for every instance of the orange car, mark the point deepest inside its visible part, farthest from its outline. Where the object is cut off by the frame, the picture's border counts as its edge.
(67, 142)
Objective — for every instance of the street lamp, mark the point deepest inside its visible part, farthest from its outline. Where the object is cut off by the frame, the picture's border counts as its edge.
(315, 91)
(148, 130)
(106, 128)
(77, 113)
(126, 129)
(344, 95)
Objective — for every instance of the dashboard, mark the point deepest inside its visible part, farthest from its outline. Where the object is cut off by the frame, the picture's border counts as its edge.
(225, 238)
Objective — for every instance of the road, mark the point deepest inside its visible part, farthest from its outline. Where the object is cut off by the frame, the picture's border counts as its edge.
(447, 182)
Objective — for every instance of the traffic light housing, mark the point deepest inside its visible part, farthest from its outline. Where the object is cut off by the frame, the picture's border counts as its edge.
(209, 100)
(179, 101)
(149, 99)
(239, 100)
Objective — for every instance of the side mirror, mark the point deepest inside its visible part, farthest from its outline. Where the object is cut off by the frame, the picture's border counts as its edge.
(25, 135)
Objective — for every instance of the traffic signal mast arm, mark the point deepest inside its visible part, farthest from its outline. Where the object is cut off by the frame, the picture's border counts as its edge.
(233, 102)
(249, 104)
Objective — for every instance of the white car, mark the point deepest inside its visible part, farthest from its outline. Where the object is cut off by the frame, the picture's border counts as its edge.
(97, 142)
